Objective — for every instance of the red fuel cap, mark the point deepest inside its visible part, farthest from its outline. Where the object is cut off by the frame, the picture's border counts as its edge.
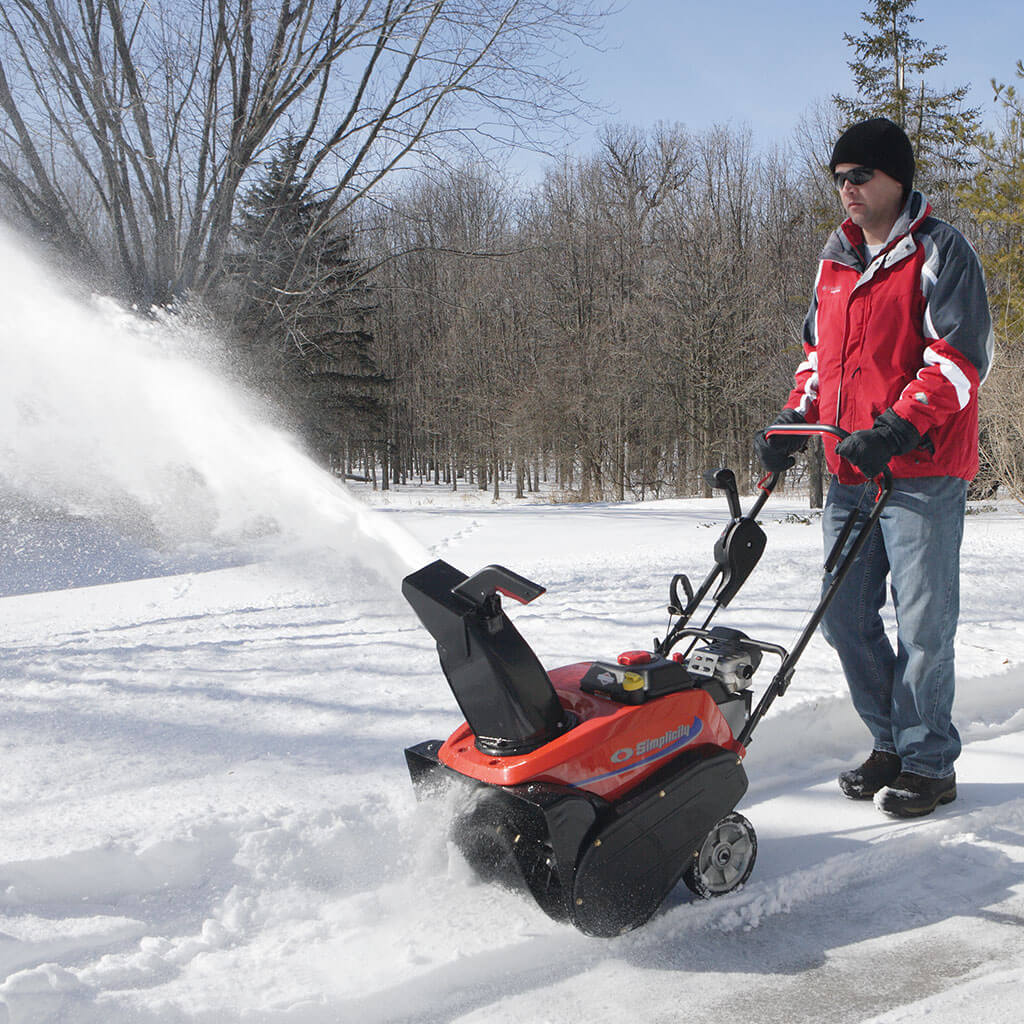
(635, 658)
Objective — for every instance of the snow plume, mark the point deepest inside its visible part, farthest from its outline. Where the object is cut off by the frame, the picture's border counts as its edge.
(108, 418)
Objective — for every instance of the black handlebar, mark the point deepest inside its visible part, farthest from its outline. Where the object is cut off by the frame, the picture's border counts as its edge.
(813, 429)
(853, 536)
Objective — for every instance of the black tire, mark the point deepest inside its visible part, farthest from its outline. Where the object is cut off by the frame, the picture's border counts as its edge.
(725, 858)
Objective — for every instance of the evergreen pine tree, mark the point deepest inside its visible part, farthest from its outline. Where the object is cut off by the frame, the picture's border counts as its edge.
(890, 72)
(994, 199)
(302, 306)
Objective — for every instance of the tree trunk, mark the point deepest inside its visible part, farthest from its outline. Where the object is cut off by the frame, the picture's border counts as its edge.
(816, 470)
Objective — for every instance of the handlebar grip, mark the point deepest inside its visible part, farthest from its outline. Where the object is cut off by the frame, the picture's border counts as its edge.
(811, 429)
(807, 430)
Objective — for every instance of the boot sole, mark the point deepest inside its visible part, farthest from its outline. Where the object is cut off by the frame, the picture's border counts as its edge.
(918, 812)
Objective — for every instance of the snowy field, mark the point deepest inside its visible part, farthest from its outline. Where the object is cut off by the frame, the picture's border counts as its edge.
(208, 677)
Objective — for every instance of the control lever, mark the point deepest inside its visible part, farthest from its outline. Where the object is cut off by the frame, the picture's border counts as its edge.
(725, 480)
(675, 606)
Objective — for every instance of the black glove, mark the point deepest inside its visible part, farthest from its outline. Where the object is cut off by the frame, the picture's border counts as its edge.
(871, 450)
(776, 453)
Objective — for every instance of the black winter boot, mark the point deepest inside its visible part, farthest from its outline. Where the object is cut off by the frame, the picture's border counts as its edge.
(910, 795)
(864, 781)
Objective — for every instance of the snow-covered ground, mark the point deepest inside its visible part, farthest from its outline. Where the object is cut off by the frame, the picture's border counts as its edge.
(207, 817)
(205, 814)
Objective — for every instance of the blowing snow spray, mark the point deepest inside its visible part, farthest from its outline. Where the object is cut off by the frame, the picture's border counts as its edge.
(116, 418)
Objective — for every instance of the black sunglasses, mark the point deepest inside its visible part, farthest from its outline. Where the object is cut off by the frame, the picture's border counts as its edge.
(856, 176)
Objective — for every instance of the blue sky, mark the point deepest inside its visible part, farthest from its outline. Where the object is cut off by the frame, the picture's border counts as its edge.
(763, 64)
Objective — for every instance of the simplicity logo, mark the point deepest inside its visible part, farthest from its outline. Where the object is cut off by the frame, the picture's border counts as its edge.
(674, 737)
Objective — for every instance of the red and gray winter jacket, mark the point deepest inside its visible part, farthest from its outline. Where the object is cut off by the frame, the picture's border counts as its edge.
(910, 331)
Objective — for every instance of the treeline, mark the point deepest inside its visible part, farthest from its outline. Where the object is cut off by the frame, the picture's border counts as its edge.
(634, 318)
(614, 330)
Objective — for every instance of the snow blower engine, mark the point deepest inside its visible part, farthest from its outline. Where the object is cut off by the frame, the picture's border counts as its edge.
(597, 786)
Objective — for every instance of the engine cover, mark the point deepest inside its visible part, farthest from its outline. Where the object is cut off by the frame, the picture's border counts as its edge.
(726, 659)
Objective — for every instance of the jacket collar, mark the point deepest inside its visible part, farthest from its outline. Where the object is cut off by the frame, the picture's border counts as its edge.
(845, 243)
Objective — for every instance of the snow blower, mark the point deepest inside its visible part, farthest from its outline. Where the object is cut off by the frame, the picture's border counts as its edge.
(598, 785)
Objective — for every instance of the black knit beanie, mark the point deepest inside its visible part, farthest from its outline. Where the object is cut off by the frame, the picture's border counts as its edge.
(878, 143)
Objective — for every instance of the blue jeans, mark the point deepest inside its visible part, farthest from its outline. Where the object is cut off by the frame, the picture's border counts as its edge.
(904, 696)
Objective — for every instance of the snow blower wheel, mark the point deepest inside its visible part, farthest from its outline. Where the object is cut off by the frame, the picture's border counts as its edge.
(596, 786)
(725, 859)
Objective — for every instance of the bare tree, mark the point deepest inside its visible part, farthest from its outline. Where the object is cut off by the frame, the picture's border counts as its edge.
(130, 126)
(634, 320)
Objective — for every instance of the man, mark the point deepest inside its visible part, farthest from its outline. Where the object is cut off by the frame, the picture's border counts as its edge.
(897, 341)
